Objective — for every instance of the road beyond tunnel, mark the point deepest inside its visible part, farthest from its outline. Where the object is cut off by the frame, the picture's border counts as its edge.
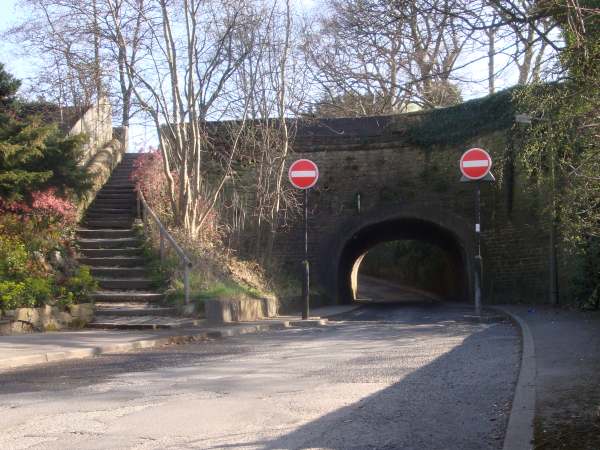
(452, 280)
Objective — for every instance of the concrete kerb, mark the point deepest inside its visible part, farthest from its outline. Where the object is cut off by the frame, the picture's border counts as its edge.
(519, 432)
(330, 312)
(176, 338)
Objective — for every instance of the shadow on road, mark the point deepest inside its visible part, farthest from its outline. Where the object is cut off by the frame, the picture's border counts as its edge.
(459, 401)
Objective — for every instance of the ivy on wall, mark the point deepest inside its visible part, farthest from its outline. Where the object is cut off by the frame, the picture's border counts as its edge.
(461, 123)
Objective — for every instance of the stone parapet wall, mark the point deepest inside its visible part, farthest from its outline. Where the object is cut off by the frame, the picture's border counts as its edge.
(96, 124)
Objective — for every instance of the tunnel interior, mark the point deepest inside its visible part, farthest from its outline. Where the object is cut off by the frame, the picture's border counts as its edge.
(447, 267)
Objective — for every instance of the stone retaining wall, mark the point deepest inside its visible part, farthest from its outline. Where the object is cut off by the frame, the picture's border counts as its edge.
(46, 318)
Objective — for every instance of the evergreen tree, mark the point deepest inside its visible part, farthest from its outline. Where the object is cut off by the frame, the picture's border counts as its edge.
(34, 155)
(9, 86)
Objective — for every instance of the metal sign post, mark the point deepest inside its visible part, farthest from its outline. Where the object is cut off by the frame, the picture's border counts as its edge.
(303, 174)
(475, 165)
(305, 264)
(478, 259)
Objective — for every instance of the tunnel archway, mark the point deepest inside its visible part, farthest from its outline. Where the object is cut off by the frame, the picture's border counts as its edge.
(431, 225)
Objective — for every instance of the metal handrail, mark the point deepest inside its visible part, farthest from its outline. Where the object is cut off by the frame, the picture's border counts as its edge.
(142, 212)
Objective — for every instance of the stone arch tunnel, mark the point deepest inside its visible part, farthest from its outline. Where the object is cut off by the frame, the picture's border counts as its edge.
(377, 185)
(432, 225)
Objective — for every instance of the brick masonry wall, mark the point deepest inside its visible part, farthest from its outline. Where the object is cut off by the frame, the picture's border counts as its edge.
(390, 173)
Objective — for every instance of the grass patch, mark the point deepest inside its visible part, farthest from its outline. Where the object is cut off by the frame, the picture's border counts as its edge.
(214, 275)
(202, 289)
(228, 290)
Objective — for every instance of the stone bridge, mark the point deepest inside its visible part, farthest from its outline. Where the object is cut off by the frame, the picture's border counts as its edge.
(376, 184)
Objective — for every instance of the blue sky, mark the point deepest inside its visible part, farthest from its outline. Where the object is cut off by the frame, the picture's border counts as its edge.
(18, 65)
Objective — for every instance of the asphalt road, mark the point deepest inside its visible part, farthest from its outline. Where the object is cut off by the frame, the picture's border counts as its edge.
(407, 376)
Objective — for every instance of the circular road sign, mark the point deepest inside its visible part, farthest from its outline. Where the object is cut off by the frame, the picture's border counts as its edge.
(303, 174)
(475, 163)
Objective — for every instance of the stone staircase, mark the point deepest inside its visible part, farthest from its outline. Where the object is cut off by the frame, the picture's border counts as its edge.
(109, 244)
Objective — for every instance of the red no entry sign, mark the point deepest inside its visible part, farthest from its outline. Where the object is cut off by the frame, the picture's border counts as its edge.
(303, 174)
(475, 164)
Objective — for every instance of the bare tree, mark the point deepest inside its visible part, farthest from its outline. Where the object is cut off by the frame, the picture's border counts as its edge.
(271, 78)
(179, 80)
(84, 48)
(123, 30)
(384, 54)
(64, 36)
(531, 38)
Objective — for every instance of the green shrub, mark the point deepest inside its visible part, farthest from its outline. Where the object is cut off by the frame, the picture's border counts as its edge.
(80, 285)
(13, 258)
(38, 291)
(11, 294)
(64, 298)
(32, 292)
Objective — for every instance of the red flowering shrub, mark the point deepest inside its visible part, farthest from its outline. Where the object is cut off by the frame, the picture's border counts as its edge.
(30, 235)
(150, 179)
(12, 207)
(52, 208)
(44, 205)
(43, 225)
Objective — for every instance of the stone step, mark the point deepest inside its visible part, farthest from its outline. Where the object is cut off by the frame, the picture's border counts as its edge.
(114, 201)
(115, 196)
(108, 243)
(125, 166)
(107, 223)
(124, 175)
(119, 185)
(110, 252)
(133, 309)
(119, 182)
(93, 215)
(127, 207)
(110, 284)
(104, 210)
(105, 233)
(142, 322)
(120, 188)
(127, 296)
(117, 190)
(122, 192)
(125, 323)
(106, 206)
(119, 272)
(116, 261)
